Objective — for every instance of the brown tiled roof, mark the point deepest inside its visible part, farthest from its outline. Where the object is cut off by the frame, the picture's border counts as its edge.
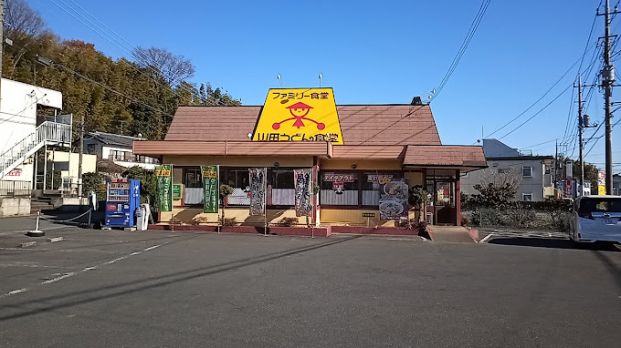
(240, 148)
(446, 155)
(361, 124)
(368, 151)
(388, 125)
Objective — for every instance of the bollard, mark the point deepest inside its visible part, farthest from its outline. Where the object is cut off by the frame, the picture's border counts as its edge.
(36, 232)
(90, 212)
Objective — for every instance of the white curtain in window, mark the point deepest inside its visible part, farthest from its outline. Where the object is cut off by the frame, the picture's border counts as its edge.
(193, 196)
(370, 197)
(348, 197)
(283, 196)
(239, 197)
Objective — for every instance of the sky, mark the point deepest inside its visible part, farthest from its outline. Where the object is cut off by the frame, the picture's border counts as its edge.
(378, 52)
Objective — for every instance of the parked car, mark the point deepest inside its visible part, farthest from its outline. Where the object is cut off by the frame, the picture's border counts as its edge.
(596, 219)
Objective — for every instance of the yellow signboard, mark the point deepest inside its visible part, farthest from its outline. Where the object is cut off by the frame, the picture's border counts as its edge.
(601, 190)
(299, 114)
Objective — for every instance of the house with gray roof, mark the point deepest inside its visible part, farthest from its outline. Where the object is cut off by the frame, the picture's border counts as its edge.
(533, 173)
(118, 149)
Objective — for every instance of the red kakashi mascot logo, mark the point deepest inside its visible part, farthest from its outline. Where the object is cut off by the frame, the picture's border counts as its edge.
(299, 111)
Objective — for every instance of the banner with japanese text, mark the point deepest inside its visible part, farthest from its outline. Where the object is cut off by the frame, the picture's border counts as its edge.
(303, 180)
(258, 180)
(211, 190)
(164, 177)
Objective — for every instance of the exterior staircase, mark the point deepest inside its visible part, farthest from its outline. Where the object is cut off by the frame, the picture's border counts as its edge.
(47, 133)
(40, 204)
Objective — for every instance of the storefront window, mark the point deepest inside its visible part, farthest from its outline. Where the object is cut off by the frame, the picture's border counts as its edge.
(192, 178)
(193, 193)
(370, 186)
(339, 189)
(238, 179)
(283, 187)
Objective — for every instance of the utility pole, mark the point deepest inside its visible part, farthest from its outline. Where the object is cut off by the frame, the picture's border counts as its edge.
(581, 134)
(555, 166)
(80, 157)
(608, 79)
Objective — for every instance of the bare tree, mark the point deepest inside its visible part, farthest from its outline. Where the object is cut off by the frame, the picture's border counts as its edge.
(20, 20)
(172, 68)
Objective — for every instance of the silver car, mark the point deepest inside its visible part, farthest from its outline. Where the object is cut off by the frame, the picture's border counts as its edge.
(596, 219)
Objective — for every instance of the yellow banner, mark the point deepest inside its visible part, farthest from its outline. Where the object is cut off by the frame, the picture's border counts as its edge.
(299, 114)
(601, 190)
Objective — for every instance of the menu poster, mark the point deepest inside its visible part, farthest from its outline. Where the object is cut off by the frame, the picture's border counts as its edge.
(393, 203)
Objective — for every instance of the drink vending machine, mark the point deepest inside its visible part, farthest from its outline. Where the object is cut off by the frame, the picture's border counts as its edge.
(122, 202)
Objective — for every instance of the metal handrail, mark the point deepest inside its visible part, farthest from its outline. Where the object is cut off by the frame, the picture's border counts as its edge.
(46, 133)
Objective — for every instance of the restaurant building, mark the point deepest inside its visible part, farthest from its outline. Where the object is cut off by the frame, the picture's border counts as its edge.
(361, 160)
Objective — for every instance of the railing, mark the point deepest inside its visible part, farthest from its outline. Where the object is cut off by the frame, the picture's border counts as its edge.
(46, 133)
(15, 188)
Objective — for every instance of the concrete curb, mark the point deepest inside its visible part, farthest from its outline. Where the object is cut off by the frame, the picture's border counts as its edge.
(27, 244)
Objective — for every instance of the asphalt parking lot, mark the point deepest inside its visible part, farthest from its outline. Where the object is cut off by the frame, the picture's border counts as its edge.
(115, 288)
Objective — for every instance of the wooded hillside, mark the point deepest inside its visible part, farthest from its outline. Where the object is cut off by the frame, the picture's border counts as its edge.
(132, 96)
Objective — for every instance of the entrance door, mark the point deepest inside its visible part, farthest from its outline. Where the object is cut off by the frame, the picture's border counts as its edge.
(443, 198)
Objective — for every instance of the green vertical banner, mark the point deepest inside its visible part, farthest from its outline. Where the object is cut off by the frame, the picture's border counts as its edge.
(163, 174)
(211, 190)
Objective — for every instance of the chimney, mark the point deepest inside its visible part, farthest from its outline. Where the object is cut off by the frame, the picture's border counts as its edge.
(417, 101)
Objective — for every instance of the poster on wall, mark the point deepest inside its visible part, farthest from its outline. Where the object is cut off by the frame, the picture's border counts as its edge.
(303, 204)
(211, 189)
(257, 190)
(393, 203)
(163, 174)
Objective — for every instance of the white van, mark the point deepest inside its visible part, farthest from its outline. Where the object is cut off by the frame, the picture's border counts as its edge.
(596, 219)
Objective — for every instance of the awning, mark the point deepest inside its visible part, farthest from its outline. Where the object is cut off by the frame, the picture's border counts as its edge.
(465, 158)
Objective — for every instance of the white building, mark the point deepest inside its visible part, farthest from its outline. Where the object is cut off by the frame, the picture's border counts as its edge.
(118, 149)
(532, 174)
(20, 135)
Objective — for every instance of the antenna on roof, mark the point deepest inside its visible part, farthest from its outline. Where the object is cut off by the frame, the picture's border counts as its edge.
(320, 78)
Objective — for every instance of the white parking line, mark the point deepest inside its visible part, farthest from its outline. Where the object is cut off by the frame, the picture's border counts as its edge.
(71, 274)
(54, 280)
(14, 292)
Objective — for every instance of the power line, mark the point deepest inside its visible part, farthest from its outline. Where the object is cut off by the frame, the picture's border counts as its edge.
(538, 112)
(536, 101)
(462, 49)
(114, 38)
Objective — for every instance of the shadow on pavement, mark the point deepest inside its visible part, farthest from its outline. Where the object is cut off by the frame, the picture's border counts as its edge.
(120, 289)
(552, 243)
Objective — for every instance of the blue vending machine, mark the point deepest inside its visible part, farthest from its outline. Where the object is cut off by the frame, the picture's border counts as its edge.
(123, 199)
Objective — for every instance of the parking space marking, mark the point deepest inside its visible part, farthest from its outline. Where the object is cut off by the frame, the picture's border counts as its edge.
(14, 292)
(54, 280)
(86, 269)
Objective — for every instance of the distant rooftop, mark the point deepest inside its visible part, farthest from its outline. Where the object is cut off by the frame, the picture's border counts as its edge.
(114, 139)
(496, 148)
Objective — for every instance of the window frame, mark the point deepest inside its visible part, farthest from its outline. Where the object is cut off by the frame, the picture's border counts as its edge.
(530, 168)
(359, 175)
(527, 194)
